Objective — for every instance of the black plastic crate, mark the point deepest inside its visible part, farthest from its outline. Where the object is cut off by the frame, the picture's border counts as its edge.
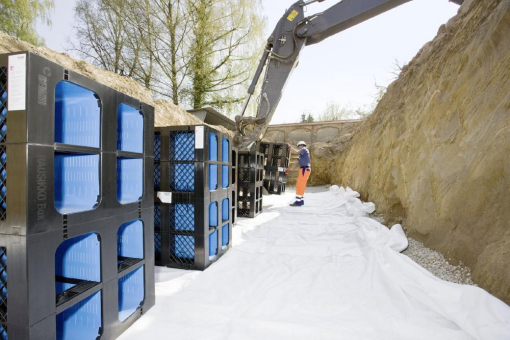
(192, 143)
(275, 181)
(249, 183)
(192, 233)
(234, 182)
(37, 190)
(192, 171)
(276, 155)
(66, 181)
(276, 160)
(192, 159)
(67, 270)
(59, 158)
(52, 105)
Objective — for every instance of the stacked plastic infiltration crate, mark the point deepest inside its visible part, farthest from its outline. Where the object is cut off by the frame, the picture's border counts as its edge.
(276, 160)
(233, 187)
(76, 212)
(192, 209)
(249, 183)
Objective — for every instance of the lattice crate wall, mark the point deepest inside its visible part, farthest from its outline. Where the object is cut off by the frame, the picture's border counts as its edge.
(3, 293)
(250, 182)
(36, 142)
(54, 275)
(234, 184)
(192, 159)
(276, 160)
(46, 137)
(187, 229)
(193, 163)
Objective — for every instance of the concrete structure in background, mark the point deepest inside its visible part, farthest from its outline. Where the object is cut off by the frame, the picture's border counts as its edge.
(210, 116)
(321, 137)
(309, 132)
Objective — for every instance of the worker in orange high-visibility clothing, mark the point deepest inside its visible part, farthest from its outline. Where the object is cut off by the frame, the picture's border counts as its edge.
(304, 172)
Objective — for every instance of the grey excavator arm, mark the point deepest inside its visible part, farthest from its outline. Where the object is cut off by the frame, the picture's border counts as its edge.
(284, 45)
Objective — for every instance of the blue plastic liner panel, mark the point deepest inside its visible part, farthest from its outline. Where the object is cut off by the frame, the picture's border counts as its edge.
(182, 247)
(225, 209)
(129, 180)
(81, 321)
(130, 240)
(182, 217)
(3, 290)
(129, 129)
(213, 243)
(78, 258)
(76, 182)
(131, 293)
(157, 146)
(225, 154)
(224, 235)
(182, 177)
(224, 177)
(213, 147)
(3, 183)
(182, 146)
(213, 177)
(224, 151)
(77, 115)
(213, 214)
(3, 104)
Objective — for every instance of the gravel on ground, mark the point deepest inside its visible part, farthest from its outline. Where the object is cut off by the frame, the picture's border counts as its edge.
(434, 261)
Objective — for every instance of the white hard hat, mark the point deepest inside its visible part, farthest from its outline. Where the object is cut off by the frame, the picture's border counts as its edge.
(301, 143)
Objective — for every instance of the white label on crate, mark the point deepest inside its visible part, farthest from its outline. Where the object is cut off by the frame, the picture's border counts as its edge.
(17, 83)
(280, 169)
(165, 197)
(199, 137)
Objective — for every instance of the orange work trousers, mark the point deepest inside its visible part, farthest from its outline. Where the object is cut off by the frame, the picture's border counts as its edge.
(303, 175)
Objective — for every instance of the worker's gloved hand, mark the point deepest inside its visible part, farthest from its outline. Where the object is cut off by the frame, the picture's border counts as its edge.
(287, 171)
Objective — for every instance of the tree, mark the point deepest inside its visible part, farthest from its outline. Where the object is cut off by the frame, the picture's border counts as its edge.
(172, 25)
(195, 52)
(310, 118)
(303, 118)
(397, 69)
(224, 48)
(334, 111)
(102, 36)
(18, 18)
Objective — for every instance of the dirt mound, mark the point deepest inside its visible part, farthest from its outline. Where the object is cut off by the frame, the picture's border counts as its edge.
(166, 113)
(436, 152)
(178, 115)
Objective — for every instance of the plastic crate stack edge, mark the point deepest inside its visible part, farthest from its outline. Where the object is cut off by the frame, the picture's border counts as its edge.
(276, 160)
(250, 183)
(234, 184)
(76, 204)
(193, 196)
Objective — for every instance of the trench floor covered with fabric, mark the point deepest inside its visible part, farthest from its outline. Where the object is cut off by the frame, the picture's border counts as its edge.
(322, 271)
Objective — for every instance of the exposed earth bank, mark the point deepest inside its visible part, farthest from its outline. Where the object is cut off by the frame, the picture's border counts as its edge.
(435, 154)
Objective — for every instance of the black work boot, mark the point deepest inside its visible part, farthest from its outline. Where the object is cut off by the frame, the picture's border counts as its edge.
(296, 204)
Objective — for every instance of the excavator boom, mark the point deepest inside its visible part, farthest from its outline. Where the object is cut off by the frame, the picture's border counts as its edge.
(281, 54)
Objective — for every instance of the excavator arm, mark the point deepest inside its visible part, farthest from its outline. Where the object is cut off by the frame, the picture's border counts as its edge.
(281, 55)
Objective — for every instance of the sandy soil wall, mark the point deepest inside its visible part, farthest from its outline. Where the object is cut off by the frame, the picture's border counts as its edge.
(436, 152)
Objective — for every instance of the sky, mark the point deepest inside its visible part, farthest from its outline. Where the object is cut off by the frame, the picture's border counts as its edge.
(343, 68)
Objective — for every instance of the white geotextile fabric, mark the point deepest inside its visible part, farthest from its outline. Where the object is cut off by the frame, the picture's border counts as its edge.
(322, 271)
